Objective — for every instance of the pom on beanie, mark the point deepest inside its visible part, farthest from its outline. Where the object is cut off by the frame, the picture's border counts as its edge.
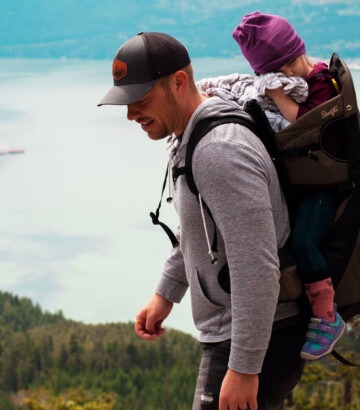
(267, 41)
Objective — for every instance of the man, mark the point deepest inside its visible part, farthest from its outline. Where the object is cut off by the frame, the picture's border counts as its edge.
(241, 367)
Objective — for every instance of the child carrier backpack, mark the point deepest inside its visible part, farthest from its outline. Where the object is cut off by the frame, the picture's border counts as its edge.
(309, 149)
(308, 146)
(303, 154)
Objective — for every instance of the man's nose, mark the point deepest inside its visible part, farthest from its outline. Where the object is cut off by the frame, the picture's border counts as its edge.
(131, 112)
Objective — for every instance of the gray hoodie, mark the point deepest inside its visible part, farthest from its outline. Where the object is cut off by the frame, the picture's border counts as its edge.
(237, 180)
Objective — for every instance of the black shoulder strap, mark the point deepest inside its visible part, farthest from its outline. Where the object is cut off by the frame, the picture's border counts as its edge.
(201, 129)
(342, 359)
(155, 216)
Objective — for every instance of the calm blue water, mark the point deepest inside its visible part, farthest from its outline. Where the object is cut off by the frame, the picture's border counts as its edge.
(75, 233)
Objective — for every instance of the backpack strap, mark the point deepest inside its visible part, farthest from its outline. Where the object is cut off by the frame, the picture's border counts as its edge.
(329, 79)
(342, 359)
(201, 129)
(306, 151)
(155, 216)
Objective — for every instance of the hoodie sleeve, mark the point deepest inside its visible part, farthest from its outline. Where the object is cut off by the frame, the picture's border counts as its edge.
(233, 179)
(173, 283)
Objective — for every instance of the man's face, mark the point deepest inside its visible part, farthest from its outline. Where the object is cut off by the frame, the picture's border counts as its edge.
(156, 112)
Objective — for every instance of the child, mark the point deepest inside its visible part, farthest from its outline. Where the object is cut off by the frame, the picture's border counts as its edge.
(270, 43)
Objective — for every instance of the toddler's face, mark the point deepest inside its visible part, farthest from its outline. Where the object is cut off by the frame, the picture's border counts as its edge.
(297, 67)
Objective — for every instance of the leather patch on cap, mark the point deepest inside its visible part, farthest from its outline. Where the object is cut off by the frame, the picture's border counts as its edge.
(119, 69)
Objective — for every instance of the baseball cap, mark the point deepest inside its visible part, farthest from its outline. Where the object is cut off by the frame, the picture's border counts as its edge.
(140, 62)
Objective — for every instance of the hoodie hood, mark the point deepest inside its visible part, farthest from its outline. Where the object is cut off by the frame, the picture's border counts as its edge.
(212, 107)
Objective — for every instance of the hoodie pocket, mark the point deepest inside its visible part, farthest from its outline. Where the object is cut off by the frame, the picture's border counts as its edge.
(207, 315)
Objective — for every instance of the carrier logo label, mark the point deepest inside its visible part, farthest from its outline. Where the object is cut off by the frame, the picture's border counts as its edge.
(119, 69)
(332, 112)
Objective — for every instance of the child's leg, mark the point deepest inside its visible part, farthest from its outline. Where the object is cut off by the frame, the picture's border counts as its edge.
(321, 297)
(314, 216)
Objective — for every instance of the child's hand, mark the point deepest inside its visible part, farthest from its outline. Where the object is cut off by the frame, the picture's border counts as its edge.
(288, 107)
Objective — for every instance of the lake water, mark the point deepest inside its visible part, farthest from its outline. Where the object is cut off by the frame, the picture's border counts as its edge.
(75, 230)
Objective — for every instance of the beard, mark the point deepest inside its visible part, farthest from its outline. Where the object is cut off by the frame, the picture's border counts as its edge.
(171, 110)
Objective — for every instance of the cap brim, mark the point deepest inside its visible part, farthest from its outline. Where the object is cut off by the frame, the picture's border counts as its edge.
(126, 94)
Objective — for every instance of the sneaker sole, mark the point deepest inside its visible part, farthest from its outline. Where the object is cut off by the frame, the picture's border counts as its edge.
(311, 358)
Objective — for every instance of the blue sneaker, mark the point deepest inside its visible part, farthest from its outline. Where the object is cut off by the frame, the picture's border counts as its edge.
(322, 337)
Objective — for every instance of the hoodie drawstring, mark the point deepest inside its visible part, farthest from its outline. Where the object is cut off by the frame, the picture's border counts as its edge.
(169, 199)
(211, 253)
(174, 241)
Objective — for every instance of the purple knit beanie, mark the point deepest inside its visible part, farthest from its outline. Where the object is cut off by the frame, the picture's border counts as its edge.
(267, 41)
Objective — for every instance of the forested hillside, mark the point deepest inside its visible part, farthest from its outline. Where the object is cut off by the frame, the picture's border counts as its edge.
(41, 350)
(48, 362)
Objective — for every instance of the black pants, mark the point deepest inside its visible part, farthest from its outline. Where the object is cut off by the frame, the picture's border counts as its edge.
(281, 371)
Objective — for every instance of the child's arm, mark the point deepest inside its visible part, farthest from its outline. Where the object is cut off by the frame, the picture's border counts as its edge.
(287, 106)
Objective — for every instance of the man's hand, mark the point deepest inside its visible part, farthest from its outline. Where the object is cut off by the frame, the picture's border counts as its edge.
(149, 319)
(239, 391)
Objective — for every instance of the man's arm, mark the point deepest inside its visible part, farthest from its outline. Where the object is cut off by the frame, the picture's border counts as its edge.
(239, 390)
(148, 324)
(237, 193)
(173, 283)
(171, 288)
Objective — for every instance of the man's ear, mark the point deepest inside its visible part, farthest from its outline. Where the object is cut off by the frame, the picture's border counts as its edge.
(181, 82)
